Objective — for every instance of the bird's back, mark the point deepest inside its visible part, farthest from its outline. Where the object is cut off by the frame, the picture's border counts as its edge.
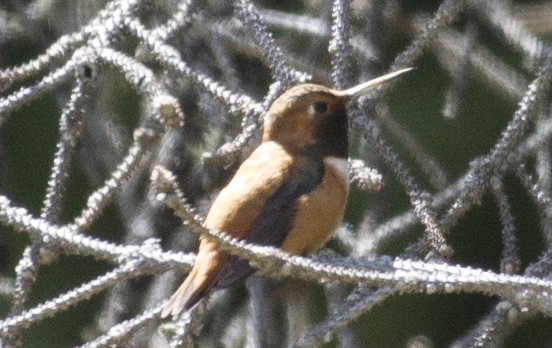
(233, 211)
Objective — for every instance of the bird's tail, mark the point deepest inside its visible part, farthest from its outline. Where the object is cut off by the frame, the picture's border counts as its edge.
(181, 299)
(199, 282)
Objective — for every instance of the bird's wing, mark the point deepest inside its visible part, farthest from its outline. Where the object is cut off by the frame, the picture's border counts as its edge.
(261, 192)
(258, 205)
(275, 212)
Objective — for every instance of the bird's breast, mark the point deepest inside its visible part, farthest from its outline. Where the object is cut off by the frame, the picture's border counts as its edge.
(319, 212)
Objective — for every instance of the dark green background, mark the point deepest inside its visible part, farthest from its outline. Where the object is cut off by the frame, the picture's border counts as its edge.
(30, 134)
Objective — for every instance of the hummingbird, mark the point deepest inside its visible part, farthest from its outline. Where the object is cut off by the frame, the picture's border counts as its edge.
(290, 193)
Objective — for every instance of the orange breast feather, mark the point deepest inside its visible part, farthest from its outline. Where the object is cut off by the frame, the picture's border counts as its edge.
(318, 213)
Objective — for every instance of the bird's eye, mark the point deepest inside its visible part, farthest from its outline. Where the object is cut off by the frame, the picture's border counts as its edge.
(318, 108)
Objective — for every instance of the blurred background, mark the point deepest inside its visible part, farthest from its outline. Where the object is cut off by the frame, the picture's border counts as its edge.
(465, 89)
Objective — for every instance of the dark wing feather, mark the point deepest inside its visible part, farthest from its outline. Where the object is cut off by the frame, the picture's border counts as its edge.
(271, 226)
(270, 179)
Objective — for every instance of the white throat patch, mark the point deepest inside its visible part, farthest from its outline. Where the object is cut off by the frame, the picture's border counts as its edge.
(341, 165)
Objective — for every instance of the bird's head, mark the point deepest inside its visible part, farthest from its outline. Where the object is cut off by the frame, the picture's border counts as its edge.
(312, 119)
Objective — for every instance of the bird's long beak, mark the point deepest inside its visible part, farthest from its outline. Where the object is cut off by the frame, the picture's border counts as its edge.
(369, 85)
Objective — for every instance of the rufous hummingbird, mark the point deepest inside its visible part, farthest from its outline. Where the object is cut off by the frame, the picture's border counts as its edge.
(290, 193)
